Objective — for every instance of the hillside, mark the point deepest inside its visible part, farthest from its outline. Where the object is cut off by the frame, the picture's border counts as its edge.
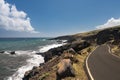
(96, 36)
(67, 62)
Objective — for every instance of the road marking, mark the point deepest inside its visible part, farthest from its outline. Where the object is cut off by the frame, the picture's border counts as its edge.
(88, 70)
(109, 50)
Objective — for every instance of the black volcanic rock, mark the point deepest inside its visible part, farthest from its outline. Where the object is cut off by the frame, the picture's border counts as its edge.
(2, 51)
(12, 53)
(107, 35)
(69, 38)
(78, 46)
(56, 51)
(75, 44)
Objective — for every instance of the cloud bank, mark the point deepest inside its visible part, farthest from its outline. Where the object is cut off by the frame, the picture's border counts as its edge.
(110, 23)
(13, 19)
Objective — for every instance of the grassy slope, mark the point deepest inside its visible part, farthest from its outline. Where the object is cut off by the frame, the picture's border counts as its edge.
(94, 37)
(79, 67)
(80, 73)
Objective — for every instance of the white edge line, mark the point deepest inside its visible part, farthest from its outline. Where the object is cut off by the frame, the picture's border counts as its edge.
(88, 70)
(112, 53)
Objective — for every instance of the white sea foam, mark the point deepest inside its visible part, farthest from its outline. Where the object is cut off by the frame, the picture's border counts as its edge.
(6, 52)
(35, 60)
(19, 53)
(46, 48)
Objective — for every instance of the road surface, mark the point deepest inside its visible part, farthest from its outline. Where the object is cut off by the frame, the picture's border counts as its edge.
(102, 65)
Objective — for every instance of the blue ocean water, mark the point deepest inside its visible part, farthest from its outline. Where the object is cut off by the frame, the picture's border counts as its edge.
(14, 66)
(13, 44)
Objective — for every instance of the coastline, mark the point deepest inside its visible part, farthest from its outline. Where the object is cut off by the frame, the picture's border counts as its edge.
(73, 54)
(53, 56)
(34, 60)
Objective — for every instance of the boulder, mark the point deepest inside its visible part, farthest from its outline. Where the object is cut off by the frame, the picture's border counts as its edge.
(12, 53)
(30, 74)
(65, 69)
(2, 51)
(42, 54)
(72, 51)
(77, 46)
(34, 67)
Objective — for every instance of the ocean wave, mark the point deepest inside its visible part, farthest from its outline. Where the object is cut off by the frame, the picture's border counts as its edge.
(47, 47)
(35, 60)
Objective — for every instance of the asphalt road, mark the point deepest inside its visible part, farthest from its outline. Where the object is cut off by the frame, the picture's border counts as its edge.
(103, 65)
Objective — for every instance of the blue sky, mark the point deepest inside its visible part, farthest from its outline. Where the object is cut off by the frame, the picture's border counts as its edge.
(49, 18)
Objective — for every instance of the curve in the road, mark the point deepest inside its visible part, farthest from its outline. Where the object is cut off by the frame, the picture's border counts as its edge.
(101, 65)
(88, 70)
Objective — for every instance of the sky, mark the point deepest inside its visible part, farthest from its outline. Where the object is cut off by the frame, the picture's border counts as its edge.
(51, 18)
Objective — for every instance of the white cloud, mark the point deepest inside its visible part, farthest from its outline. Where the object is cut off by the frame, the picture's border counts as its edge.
(14, 20)
(110, 23)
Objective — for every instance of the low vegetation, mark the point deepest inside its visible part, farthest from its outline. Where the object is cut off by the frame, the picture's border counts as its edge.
(115, 49)
(68, 62)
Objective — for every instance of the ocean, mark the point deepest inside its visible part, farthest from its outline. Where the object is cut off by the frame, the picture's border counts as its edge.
(13, 67)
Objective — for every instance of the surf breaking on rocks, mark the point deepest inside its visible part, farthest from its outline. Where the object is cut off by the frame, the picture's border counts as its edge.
(35, 60)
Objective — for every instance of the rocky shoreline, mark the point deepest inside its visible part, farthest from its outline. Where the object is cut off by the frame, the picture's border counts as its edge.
(62, 62)
(10, 52)
(63, 55)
